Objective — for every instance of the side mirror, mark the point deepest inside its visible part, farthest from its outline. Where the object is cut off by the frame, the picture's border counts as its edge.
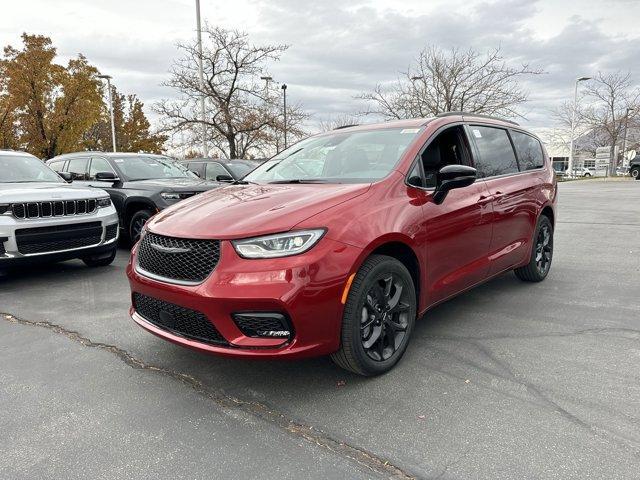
(66, 176)
(453, 176)
(195, 173)
(224, 178)
(106, 177)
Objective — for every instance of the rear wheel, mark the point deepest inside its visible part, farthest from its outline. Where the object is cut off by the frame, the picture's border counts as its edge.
(136, 224)
(101, 260)
(541, 253)
(635, 172)
(378, 318)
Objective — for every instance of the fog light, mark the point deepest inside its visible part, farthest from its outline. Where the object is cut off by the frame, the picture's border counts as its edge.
(263, 324)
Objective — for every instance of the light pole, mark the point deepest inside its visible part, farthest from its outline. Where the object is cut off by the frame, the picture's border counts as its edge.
(573, 123)
(284, 95)
(201, 81)
(624, 137)
(267, 81)
(113, 123)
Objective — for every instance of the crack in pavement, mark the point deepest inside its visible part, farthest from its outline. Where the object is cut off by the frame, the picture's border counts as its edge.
(263, 412)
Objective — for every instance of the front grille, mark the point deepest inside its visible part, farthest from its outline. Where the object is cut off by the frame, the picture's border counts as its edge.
(57, 238)
(263, 325)
(178, 259)
(58, 208)
(176, 319)
(111, 232)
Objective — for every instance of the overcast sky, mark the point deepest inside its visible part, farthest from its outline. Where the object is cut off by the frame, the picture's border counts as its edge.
(341, 48)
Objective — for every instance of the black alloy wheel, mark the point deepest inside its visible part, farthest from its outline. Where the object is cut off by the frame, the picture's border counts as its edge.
(138, 220)
(379, 316)
(541, 253)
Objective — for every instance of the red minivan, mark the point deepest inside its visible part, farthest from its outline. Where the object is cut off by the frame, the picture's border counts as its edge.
(336, 245)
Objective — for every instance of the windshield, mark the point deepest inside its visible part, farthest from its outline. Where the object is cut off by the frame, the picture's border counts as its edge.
(25, 169)
(339, 157)
(150, 167)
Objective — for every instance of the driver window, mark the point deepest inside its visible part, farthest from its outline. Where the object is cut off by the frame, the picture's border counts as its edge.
(448, 148)
(214, 169)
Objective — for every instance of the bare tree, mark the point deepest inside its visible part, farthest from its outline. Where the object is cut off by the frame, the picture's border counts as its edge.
(337, 121)
(454, 80)
(242, 114)
(613, 98)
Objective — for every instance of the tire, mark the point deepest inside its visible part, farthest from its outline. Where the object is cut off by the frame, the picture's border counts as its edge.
(587, 174)
(136, 223)
(541, 253)
(635, 172)
(371, 300)
(102, 260)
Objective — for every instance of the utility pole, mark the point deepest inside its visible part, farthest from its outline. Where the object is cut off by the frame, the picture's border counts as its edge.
(624, 138)
(203, 113)
(284, 95)
(113, 123)
(573, 123)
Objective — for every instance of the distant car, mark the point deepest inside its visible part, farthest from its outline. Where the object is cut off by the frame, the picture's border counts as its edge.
(634, 168)
(43, 218)
(140, 184)
(219, 170)
(585, 172)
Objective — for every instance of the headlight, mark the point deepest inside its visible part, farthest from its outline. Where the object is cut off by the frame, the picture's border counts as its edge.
(170, 195)
(103, 202)
(278, 245)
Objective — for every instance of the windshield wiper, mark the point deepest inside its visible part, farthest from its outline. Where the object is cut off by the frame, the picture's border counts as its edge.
(243, 182)
(301, 180)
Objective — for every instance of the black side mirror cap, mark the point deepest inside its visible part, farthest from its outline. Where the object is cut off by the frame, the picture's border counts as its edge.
(106, 177)
(224, 178)
(453, 176)
(66, 176)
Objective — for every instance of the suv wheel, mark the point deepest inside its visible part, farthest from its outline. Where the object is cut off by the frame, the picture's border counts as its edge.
(378, 318)
(635, 172)
(101, 260)
(137, 223)
(541, 253)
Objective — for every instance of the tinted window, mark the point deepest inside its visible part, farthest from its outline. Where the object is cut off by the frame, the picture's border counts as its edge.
(78, 168)
(57, 165)
(448, 148)
(238, 169)
(99, 165)
(215, 169)
(149, 167)
(529, 151)
(496, 152)
(196, 168)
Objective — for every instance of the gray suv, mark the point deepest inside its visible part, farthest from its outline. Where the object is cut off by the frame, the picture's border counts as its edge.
(140, 184)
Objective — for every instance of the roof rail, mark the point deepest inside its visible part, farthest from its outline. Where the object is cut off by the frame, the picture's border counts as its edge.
(480, 115)
(346, 126)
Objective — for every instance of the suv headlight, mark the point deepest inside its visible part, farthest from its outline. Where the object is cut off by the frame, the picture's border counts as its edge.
(170, 195)
(103, 202)
(278, 245)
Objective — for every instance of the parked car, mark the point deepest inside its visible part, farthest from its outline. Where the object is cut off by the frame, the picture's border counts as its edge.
(140, 184)
(402, 216)
(585, 172)
(634, 168)
(44, 218)
(219, 170)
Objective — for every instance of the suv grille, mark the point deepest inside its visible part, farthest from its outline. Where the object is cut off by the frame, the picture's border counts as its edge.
(59, 237)
(178, 259)
(176, 319)
(59, 208)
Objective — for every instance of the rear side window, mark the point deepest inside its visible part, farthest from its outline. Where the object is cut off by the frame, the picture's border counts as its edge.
(529, 151)
(495, 150)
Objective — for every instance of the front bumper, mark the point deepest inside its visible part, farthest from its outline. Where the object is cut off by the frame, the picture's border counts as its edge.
(11, 255)
(306, 288)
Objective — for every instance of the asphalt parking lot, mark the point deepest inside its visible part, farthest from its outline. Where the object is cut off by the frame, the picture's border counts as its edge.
(510, 380)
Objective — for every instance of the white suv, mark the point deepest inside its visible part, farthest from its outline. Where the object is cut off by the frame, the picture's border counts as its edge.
(43, 218)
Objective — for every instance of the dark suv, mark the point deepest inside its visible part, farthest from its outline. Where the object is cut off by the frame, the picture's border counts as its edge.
(634, 168)
(140, 184)
(220, 170)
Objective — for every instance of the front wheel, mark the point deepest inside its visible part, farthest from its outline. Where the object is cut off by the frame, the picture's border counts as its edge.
(102, 260)
(378, 318)
(635, 172)
(137, 223)
(541, 253)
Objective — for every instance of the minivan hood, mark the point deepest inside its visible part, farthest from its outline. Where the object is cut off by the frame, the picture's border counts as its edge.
(175, 184)
(240, 211)
(45, 192)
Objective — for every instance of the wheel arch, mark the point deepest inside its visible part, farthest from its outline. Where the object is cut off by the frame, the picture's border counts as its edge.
(134, 205)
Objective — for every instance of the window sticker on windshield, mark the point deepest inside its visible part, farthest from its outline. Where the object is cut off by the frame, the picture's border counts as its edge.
(476, 133)
(410, 130)
(118, 160)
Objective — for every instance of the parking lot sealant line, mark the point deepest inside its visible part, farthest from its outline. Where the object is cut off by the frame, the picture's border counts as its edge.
(306, 432)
